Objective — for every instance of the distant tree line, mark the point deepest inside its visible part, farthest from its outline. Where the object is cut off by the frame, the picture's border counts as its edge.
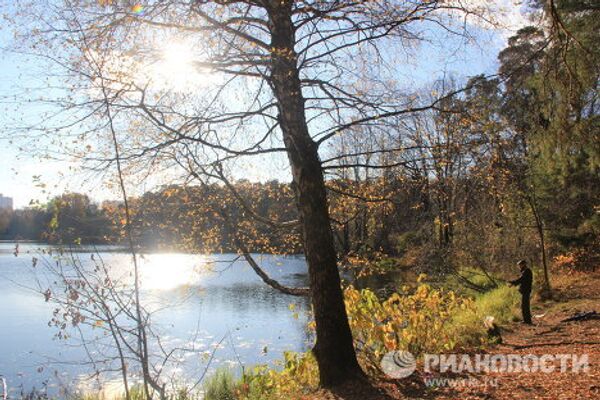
(174, 217)
(28, 224)
(66, 219)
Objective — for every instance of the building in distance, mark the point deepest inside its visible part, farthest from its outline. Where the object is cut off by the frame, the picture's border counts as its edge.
(6, 203)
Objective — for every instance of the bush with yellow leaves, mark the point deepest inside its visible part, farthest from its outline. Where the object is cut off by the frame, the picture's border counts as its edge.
(299, 374)
(416, 321)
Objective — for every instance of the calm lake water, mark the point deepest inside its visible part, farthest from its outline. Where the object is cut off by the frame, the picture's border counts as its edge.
(198, 301)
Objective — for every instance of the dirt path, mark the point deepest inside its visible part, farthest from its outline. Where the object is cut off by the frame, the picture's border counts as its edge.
(548, 336)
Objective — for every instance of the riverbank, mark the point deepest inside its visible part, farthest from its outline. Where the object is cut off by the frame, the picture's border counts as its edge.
(548, 336)
(425, 316)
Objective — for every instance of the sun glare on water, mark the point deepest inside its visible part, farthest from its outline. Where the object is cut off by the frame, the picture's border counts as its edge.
(170, 271)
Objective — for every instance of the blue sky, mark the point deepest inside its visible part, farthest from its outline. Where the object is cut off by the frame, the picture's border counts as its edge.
(22, 172)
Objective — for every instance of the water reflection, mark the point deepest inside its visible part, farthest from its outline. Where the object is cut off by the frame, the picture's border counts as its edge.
(198, 301)
(172, 270)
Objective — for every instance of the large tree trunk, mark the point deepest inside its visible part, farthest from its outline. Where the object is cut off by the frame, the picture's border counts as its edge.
(334, 348)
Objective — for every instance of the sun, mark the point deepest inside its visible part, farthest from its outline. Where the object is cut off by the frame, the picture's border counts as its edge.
(177, 68)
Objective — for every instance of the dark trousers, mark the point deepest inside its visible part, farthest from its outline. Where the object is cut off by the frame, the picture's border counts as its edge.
(526, 307)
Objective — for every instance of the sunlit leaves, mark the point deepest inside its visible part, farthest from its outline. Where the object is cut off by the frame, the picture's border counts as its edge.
(414, 321)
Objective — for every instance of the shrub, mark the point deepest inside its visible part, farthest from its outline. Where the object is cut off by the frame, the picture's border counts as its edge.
(415, 322)
(579, 259)
(299, 374)
(426, 320)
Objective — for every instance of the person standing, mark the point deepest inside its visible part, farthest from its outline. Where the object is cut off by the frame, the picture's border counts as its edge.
(525, 282)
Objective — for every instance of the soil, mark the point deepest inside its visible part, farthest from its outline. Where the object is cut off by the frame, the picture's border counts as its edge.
(548, 335)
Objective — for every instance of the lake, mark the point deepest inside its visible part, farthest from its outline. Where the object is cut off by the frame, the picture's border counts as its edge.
(198, 301)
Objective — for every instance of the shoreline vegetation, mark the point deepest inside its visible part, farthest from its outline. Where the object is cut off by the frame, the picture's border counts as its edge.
(108, 248)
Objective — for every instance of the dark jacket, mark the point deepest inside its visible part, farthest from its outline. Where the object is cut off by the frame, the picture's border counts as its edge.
(524, 281)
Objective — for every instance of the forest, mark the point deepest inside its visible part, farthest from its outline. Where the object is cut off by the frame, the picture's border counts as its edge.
(451, 183)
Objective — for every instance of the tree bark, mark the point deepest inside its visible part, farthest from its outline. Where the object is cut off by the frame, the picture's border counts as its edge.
(334, 350)
(539, 224)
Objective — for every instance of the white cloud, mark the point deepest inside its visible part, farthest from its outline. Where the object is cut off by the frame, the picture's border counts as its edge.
(505, 16)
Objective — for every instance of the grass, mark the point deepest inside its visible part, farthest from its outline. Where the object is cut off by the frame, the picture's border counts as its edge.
(473, 275)
(500, 303)
(135, 393)
(220, 386)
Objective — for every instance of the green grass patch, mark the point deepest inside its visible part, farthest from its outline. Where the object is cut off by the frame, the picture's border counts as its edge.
(220, 386)
(501, 303)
